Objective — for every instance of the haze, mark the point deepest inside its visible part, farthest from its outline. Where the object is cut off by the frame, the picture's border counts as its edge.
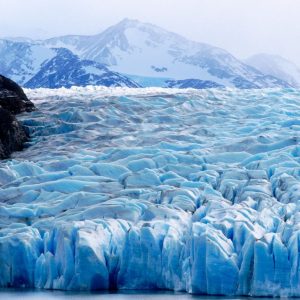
(242, 27)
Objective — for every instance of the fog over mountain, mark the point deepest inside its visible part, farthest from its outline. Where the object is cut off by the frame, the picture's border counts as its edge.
(277, 66)
(244, 28)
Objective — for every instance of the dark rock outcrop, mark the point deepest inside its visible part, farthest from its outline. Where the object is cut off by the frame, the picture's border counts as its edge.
(12, 134)
(13, 98)
(12, 101)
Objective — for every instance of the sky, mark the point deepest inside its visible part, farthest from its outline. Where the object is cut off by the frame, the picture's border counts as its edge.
(242, 27)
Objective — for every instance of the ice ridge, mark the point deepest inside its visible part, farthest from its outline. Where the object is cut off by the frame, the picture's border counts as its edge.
(193, 191)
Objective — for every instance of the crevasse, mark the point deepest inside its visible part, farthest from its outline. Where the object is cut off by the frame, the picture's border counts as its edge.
(193, 191)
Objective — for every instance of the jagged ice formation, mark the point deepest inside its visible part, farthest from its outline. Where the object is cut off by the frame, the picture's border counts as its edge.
(193, 191)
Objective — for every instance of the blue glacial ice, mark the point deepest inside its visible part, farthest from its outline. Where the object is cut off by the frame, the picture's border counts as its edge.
(187, 190)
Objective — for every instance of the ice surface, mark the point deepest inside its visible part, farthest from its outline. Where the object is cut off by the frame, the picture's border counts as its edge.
(186, 190)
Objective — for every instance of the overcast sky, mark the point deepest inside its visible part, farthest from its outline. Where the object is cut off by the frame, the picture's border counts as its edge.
(243, 27)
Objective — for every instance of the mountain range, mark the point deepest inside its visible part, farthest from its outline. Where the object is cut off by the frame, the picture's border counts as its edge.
(133, 54)
(276, 66)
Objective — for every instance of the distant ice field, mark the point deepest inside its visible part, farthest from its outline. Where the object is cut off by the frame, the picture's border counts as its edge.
(186, 190)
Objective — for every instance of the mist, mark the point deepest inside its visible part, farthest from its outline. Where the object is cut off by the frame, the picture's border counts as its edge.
(243, 27)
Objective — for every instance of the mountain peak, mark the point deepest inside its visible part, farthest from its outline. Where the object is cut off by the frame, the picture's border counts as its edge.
(148, 51)
(128, 22)
(134, 23)
(149, 54)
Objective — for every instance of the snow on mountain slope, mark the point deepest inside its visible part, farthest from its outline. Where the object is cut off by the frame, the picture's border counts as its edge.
(185, 190)
(21, 61)
(34, 65)
(138, 50)
(276, 66)
(67, 69)
(143, 49)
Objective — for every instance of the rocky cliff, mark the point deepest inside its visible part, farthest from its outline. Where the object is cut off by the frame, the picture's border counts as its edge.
(12, 101)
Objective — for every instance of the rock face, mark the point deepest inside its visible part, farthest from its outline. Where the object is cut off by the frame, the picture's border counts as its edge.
(13, 98)
(12, 101)
(12, 135)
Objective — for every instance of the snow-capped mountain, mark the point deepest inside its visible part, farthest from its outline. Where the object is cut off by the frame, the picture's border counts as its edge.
(34, 65)
(130, 53)
(142, 49)
(21, 61)
(276, 66)
(67, 69)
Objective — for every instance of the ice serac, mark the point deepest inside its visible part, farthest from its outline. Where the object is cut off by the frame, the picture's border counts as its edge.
(155, 189)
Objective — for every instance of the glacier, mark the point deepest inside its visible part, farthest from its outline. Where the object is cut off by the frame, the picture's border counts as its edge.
(185, 190)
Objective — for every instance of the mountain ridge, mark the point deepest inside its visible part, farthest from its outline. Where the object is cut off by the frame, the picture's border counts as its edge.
(135, 49)
(34, 66)
(277, 66)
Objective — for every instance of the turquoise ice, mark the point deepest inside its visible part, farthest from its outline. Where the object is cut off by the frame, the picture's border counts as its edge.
(194, 191)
